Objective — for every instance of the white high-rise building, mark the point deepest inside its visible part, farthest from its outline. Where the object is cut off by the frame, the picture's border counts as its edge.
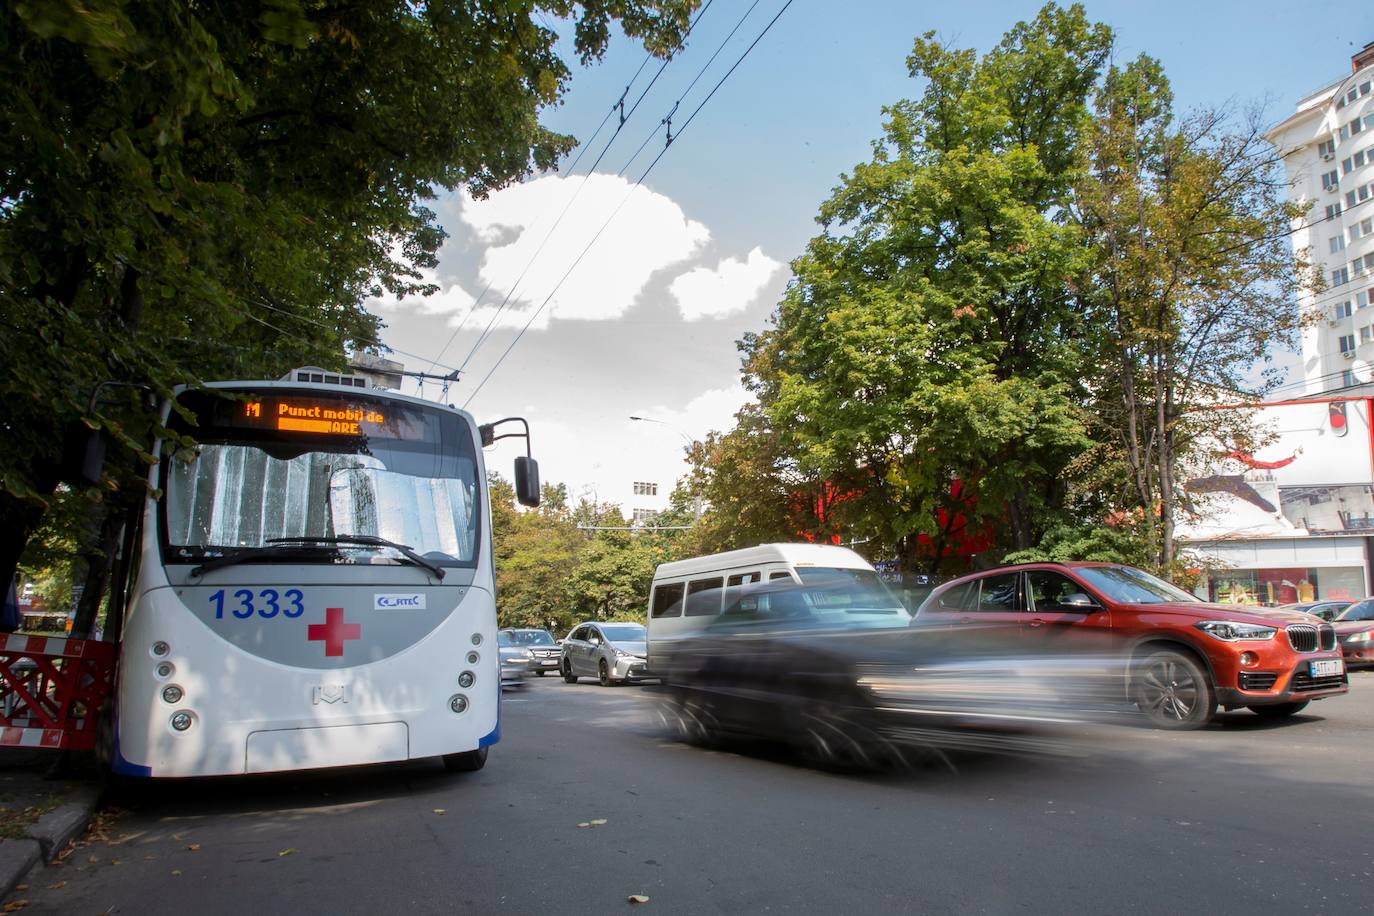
(1328, 151)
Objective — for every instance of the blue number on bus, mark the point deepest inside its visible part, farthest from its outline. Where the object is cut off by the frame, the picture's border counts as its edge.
(268, 596)
(245, 596)
(295, 597)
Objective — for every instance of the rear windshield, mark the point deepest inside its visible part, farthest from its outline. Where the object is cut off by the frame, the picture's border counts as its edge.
(1360, 610)
(531, 638)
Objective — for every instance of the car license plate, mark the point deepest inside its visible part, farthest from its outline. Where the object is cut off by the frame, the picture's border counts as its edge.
(1326, 667)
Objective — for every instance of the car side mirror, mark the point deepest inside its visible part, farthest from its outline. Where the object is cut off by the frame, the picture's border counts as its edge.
(527, 481)
(1079, 601)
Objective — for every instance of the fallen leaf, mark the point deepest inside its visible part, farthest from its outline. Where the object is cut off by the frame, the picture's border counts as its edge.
(584, 824)
(176, 871)
(285, 852)
(194, 847)
(58, 886)
(439, 811)
(14, 906)
(638, 898)
(598, 822)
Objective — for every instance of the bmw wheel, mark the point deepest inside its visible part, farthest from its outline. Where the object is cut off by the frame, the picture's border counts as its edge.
(1174, 691)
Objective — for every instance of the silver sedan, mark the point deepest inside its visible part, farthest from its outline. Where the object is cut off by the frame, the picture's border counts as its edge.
(613, 653)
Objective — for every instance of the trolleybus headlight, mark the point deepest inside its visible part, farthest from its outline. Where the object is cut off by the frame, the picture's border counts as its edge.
(466, 679)
(165, 669)
(476, 639)
(172, 693)
(160, 648)
(458, 703)
(182, 721)
(473, 658)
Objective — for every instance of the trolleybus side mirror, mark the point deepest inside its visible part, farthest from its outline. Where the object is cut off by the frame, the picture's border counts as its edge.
(527, 481)
(83, 454)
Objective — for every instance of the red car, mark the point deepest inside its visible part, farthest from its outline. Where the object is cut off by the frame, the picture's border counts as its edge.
(1187, 657)
(1355, 630)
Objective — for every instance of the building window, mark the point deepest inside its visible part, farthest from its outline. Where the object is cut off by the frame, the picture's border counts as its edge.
(1347, 343)
(1361, 300)
(1348, 379)
(1343, 309)
(1330, 180)
(1333, 210)
(1359, 158)
(1347, 165)
(644, 516)
(1340, 276)
(1355, 127)
(645, 489)
(1337, 243)
(1327, 148)
(1366, 334)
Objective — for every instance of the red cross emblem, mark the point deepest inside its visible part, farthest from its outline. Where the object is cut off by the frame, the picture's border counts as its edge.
(334, 631)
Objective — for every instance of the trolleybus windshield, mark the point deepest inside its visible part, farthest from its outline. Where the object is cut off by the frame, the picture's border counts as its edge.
(304, 465)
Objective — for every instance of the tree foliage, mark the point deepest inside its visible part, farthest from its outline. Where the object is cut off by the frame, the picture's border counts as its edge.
(198, 190)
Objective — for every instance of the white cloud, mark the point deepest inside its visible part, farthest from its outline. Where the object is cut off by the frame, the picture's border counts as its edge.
(728, 290)
(526, 255)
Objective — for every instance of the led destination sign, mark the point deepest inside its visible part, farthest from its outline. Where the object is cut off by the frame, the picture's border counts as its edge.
(300, 416)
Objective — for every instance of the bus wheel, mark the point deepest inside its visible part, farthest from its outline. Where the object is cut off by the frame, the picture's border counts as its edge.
(466, 762)
(568, 676)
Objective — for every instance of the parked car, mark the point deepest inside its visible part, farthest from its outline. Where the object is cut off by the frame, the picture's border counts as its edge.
(1327, 610)
(515, 660)
(613, 653)
(1355, 630)
(1186, 656)
(544, 649)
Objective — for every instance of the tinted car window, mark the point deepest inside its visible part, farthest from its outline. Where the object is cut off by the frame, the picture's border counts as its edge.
(579, 633)
(957, 598)
(773, 577)
(1361, 610)
(703, 597)
(1000, 593)
(743, 578)
(1049, 589)
(668, 599)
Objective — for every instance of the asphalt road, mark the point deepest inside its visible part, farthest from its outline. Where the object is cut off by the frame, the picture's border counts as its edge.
(1245, 817)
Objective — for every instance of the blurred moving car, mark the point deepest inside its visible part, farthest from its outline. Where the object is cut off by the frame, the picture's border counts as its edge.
(544, 649)
(515, 660)
(613, 653)
(1355, 630)
(837, 673)
(1327, 610)
(1187, 657)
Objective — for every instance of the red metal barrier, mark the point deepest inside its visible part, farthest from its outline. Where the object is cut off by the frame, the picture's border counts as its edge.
(52, 689)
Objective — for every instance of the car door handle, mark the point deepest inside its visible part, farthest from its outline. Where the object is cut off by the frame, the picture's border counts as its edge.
(1037, 622)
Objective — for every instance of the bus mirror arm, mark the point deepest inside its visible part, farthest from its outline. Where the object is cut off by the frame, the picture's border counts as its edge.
(526, 468)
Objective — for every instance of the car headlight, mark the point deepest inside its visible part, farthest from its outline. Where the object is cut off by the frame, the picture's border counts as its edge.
(1231, 631)
(1366, 636)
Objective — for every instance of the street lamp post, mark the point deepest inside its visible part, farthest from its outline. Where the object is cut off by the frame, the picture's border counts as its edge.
(696, 497)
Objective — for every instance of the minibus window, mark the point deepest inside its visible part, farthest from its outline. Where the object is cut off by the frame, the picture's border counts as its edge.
(668, 600)
(703, 597)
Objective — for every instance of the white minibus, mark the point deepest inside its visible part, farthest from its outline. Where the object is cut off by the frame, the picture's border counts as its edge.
(688, 594)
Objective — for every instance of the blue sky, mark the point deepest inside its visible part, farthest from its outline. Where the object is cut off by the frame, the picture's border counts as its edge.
(646, 324)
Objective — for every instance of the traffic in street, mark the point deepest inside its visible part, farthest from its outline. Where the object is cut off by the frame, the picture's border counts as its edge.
(587, 800)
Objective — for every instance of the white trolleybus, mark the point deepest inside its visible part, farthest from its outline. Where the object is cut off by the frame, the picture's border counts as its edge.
(315, 585)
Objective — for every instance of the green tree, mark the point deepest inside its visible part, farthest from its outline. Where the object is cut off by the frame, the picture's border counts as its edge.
(193, 190)
(931, 335)
(1192, 281)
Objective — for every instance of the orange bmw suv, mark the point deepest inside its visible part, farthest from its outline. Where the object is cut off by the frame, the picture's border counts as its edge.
(1187, 657)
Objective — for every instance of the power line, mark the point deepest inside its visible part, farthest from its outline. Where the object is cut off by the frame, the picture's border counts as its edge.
(535, 314)
(624, 118)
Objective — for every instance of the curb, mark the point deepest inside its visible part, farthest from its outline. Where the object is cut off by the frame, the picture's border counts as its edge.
(17, 858)
(48, 837)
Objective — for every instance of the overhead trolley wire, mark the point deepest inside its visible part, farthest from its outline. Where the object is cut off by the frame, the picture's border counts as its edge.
(535, 314)
(619, 106)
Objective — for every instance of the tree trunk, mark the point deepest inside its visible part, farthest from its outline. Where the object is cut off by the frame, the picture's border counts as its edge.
(99, 561)
(20, 518)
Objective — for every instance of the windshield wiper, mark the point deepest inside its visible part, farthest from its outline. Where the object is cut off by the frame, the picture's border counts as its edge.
(363, 540)
(300, 551)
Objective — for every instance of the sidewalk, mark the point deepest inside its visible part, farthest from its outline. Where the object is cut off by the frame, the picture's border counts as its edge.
(38, 816)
